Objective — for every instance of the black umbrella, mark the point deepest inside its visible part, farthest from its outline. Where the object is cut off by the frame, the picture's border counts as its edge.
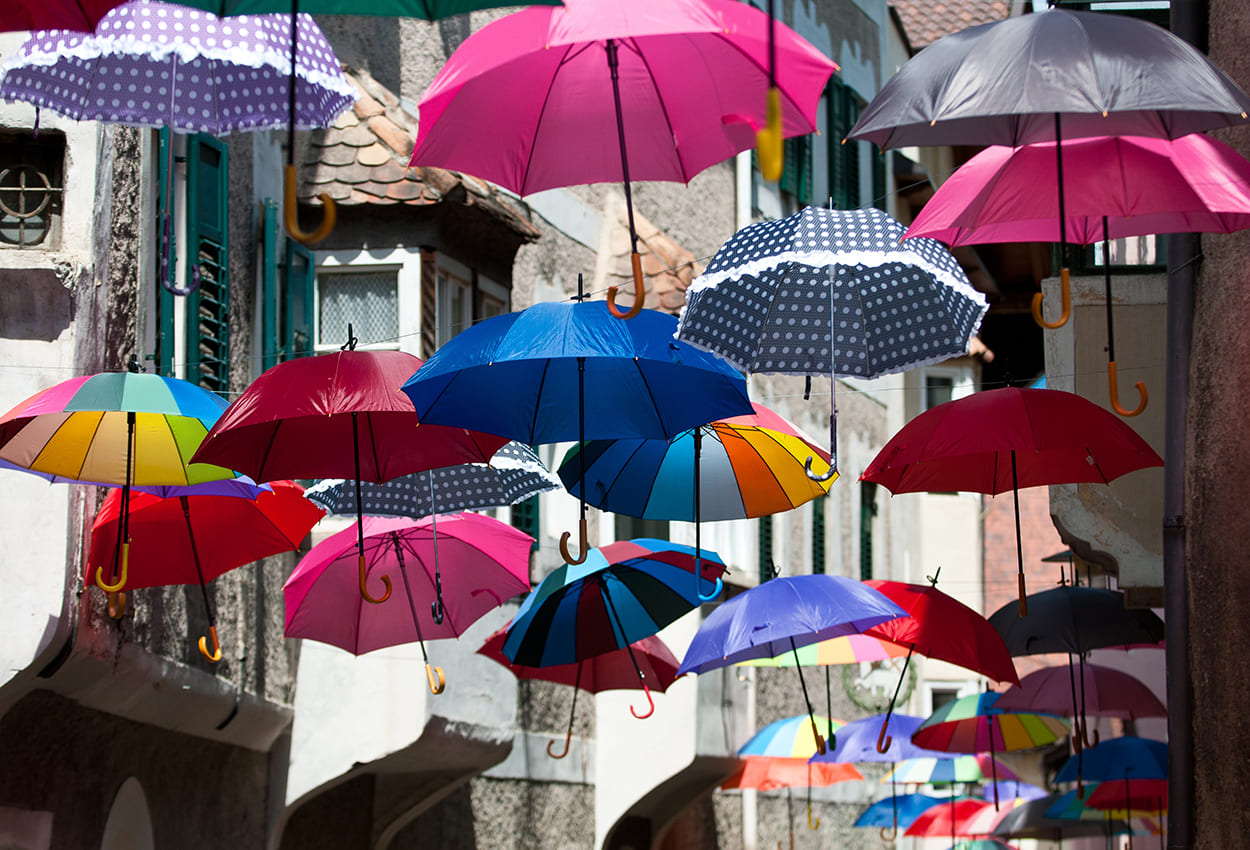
(1055, 75)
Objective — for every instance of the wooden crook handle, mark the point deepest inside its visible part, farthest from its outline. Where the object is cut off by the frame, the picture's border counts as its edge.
(1065, 295)
(1113, 385)
(117, 605)
(291, 219)
(364, 591)
(567, 739)
(434, 675)
(215, 655)
(640, 293)
(564, 544)
(1024, 599)
(883, 740)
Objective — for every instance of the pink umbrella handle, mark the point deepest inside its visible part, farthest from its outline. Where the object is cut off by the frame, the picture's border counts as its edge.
(650, 702)
(215, 655)
(1065, 290)
(364, 591)
(1113, 387)
(640, 292)
(290, 205)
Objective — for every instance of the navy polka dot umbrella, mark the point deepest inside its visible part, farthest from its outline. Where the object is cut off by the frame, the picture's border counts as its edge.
(831, 292)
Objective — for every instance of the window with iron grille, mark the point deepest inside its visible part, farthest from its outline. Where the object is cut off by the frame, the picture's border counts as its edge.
(365, 298)
(818, 534)
(31, 189)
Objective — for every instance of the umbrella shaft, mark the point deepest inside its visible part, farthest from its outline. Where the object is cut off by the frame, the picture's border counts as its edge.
(613, 68)
(1063, 224)
(1106, 280)
(412, 606)
(290, 130)
(195, 556)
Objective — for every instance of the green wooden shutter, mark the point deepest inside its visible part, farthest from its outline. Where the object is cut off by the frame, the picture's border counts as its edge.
(288, 274)
(796, 173)
(836, 151)
(867, 510)
(298, 278)
(163, 354)
(818, 534)
(208, 308)
(525, 516)
(270, 239)
(850, 114)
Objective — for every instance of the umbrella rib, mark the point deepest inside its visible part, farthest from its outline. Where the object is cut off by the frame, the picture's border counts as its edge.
(633, 44)
(538, 394)
(264, 458)
(795, 107)
(373, 449)
(767, 434)
(651, 396)
(94, 433)
(542, 113)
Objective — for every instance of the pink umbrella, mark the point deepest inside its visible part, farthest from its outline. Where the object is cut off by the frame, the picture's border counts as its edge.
(550, 97)
(491, 565)
(1116, 186)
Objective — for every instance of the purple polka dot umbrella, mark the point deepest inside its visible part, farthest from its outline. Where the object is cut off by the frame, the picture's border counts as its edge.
(164, 65)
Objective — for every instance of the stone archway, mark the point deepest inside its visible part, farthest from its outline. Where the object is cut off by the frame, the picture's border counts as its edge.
(129, 824)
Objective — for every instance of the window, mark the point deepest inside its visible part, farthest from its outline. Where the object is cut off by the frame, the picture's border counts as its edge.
(796, 174)
(867, 512)
(765, 548)
(942, 696)
(525, 516)
(365, 298)
(818, 534)
(843, 107)
(938, 389)
(628, 528)
(455, 308)
(31, 169)
(287, 283)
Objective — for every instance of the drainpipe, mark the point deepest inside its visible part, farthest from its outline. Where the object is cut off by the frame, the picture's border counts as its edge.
(1188, 21)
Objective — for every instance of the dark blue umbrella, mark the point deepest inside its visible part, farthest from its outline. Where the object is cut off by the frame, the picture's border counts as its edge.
(783, 614)
(1139, 758)
(569, 371)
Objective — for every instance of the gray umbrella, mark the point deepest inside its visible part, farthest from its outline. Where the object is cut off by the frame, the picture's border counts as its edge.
(1029, 820)
(831, 291)
(1050, 76)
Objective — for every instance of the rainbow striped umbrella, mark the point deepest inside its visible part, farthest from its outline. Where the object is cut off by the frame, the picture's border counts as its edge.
(790, 737)
(117, 428)
(848, 649)
(972, 724)
(966, 768)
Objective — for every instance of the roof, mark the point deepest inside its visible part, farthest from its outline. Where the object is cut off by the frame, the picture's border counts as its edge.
(667, 267)
(363, 159)
(925, 21)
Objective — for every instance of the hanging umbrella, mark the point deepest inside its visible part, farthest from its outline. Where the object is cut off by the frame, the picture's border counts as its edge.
(491, 566)
(770, 773)
(899, 810)
(1032, 820)
(767, 301)
(598, 92)
(515, 473)
(943, 628)
(1141, 758)
(735, 468)
(347, 405)
(981, 844)
(781, 615)
(192, 539)
(610, 671)
(847, 649)
(999, 440)
(947, 818)
(569, 371)
(1011, 789)
(116, 428)
(1149, 796)
(965, 768)
(1086, 74)
(1108, 693)
(623, 592)
(1123, 186)
(790, 737)
(81, 15)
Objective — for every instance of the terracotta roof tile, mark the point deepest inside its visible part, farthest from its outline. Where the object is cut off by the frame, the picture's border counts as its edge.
(667, 267)
(363, 159)
(925, 21)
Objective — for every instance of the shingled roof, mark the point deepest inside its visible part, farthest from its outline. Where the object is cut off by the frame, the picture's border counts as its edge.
(925, 21)
(667, 267)
(363, 159)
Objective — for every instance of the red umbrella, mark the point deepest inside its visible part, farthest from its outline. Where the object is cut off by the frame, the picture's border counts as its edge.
(194, 539)
(769, 773)
(339, 415)
(79, 15)
(1134, 795)
(943, 628)
(1000, 440)
(611, 671)
(946, 818)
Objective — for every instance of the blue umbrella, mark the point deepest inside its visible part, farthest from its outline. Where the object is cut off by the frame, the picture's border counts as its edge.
(780, 616)
(908, 806)
(622, 593)
(569, 371)
(1139, 758)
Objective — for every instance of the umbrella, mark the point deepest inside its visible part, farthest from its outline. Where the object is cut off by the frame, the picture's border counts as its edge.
(1005, 439)
(1013, 789)
(192, 539)
(847, 649)
(897, 810)
(1126, 186)
(781, 615)
(492, 566)
(588, 92)
(940, 627)
(568, 371)
(515, 473)
(966, 768)
(761, 303)
(1116, 758)
(947, 819)
(1107, 693)
(1087, 74)
(736, 468)
(981, 844)
(769, 773)
(200, 73)
(81, 15)
(1131, 795)
(790, 737)
(115, 428)
(610, 671)
(623, 592)
(347, 405)
(1033, 820)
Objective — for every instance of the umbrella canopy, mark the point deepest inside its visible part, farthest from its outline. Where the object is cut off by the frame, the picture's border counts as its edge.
(947, 818)
(517, 375)
(1137, 758)
(973, 724)
(857, 741)
(81, 15)
(1075, 620)
(1108, 693)
(967, 768)
(1011, 789)
(1193, 184)
(1101, 74)
(199, 73)
(624, 592)
(347, 405)
(430, 10)
(491, 561)
(901, 809)
(847, 649)
(514, 474)
(1139, 796)
(1033, 820)
(769, 773)
(749, 466)
(981, 844)
(782, 614)
(790, 737)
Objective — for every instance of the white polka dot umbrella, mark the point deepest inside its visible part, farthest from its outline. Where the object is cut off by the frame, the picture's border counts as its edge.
(831, 292)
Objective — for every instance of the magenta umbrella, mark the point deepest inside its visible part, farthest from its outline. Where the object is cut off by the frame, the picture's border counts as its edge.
(1115, 186)
(491, 565)
(550, 97)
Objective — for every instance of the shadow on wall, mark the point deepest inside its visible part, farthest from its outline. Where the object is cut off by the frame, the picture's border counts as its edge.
(34, 305)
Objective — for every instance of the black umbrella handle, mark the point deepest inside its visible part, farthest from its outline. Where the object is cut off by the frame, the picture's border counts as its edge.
(1065, 285)
(698, 514)
(581, 465)
(1015, 495)
(289, 203)
(635, 260)
(1113, 375)
(434, 675)
(360, 525)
